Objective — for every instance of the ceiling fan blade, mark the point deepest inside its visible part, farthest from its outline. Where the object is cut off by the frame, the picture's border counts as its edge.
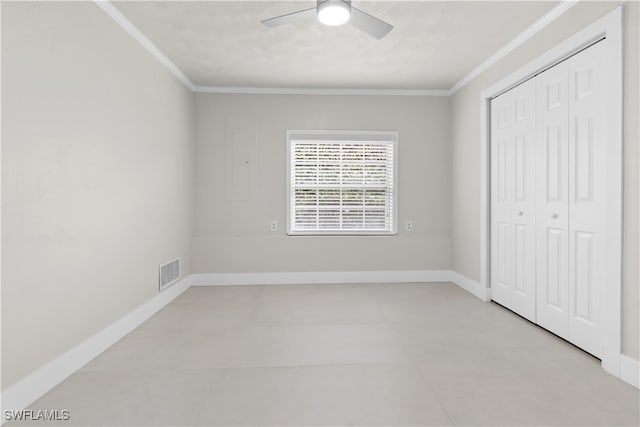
(369, 24)
(301, 15)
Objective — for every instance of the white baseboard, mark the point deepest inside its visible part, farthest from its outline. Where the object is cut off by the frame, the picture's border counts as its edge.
(630, 370)
(306, 278)
(328, 277)
(470, 286)
(31, 388)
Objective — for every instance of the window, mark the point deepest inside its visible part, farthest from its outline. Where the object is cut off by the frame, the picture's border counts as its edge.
(341, 182)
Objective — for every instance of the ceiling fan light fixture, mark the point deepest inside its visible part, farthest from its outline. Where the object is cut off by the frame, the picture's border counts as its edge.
(334, 12)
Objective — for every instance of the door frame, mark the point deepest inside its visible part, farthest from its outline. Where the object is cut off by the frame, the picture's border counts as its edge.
(609, 28)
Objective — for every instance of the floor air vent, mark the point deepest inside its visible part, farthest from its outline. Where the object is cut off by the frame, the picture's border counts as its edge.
(169, 273)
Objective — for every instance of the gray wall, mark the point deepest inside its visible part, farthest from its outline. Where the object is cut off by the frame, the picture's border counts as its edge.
(235, 200)
(97, 178)
(465, 148)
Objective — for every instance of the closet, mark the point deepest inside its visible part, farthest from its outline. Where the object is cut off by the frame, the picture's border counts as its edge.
(548, 198)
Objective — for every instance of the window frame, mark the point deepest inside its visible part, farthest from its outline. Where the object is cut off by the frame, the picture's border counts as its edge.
(343, 136)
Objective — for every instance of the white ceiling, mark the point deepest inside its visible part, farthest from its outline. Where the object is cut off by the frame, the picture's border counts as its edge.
(433, 45)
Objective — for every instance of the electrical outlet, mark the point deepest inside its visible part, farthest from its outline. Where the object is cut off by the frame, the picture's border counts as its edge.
(408, 226)
(274, 225)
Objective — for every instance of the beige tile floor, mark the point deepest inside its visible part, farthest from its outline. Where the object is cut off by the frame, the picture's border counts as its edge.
(390, 354)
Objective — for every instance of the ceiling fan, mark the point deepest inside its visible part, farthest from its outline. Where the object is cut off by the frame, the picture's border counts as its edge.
(334, 13)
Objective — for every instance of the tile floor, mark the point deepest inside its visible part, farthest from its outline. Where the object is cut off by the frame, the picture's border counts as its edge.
(390, 354)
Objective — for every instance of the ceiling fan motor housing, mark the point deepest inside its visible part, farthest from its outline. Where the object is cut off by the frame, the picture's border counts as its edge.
(334, 12)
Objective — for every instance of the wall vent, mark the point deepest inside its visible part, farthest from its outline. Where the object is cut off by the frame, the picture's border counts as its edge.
(169, 273)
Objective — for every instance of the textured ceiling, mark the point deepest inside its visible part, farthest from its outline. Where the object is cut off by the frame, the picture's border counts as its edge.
(433, 44)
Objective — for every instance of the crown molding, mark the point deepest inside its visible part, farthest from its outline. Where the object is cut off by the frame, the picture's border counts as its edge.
(144, 41)
(134, 32)
(515, 43)
(319, 91)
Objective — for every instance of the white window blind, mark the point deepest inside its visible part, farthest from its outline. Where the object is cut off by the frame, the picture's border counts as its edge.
(342, 185)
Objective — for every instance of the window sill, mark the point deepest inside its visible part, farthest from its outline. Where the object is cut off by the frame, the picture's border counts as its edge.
(341, 233)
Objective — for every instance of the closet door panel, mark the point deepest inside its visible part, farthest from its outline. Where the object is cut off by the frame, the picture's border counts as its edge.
(587, 193)
(523, 211)
(552, 219)
(501, 200)
(513, 199)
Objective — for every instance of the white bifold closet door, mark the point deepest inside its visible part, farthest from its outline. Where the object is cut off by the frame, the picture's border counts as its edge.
(513, 199)
(548, 196)
(552, 203)
(571, 198)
